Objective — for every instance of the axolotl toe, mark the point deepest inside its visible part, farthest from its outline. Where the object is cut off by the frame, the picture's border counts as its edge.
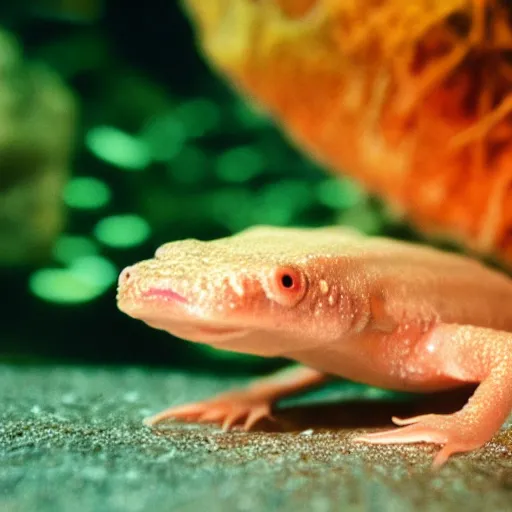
(383, 312)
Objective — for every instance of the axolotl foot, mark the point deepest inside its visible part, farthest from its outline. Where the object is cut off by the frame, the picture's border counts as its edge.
(451, 431)
(227, 409)
(244, 406)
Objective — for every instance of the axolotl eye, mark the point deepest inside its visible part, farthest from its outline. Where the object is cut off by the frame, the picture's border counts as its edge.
(287, 285)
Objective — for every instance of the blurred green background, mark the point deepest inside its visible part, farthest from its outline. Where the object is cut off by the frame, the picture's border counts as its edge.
(117, 137)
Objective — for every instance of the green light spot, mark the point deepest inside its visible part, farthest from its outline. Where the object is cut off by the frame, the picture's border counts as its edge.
(95, 270)
(122, 231)
(118, 148)
(339, 194)
(232, 207)
(363, 218)
(165, 136)
(280, 202)
(226, 355)
(86, 193)
(248, 115)
(199, 116)
(240, 164)
(68, 248)
(295, 194)
(62, 286)
(378, 393)
(190, 166)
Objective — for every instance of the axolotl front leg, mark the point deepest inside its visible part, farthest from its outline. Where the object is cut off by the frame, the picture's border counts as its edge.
(466, 354)
(247, 405)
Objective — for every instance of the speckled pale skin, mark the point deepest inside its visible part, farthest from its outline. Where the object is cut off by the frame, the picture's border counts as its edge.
(386, 313)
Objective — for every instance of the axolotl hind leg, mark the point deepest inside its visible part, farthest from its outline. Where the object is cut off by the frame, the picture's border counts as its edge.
(247, 405)
(468, 354)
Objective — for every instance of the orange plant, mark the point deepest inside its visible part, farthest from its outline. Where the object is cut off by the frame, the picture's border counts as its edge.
(411, 98)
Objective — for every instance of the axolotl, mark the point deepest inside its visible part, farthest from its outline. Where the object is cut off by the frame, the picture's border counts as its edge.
(388, 313)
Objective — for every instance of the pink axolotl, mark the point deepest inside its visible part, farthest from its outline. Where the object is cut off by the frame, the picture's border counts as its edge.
(387, 313)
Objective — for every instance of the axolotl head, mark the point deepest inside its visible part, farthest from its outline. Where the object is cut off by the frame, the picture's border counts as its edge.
(266, 291)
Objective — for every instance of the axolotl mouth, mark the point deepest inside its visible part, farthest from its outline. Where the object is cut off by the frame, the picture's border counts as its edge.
(168, 310)
(164, 293)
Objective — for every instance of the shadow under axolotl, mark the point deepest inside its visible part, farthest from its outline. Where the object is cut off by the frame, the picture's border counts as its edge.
(355, 412)
(362, 413)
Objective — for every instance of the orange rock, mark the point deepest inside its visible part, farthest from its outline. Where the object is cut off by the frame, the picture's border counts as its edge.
(411, 98)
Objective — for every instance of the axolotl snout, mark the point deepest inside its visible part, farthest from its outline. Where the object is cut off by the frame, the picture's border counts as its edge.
(374, 310)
